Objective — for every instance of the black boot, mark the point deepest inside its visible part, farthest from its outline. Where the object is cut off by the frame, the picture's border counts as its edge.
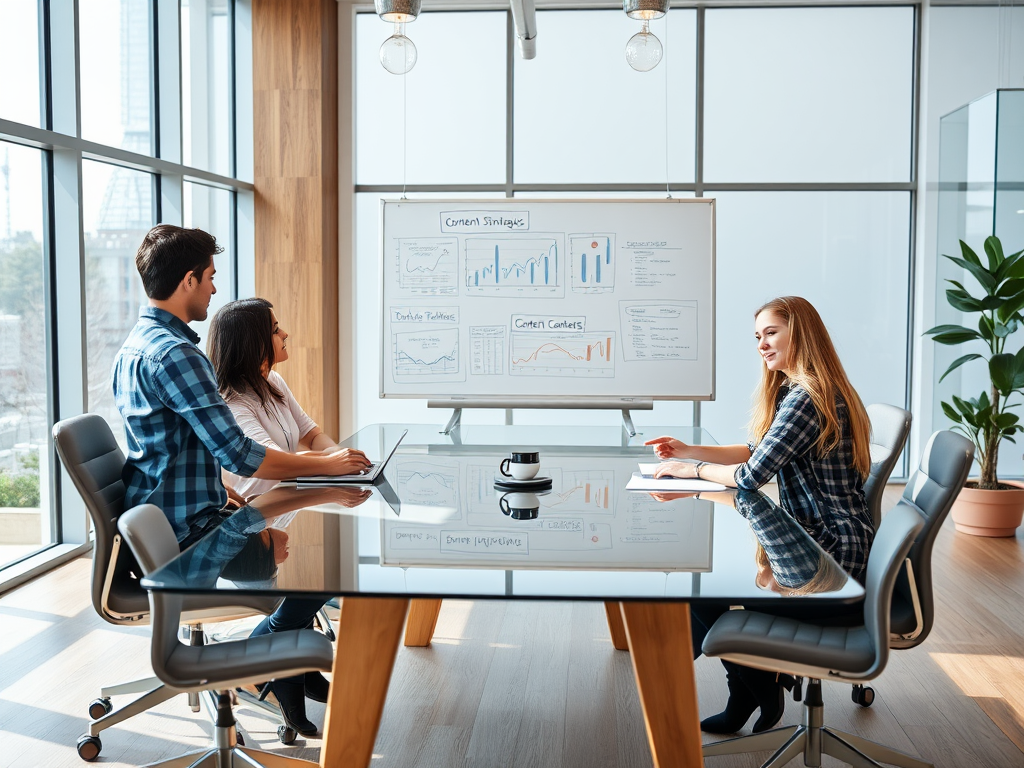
(316, 686)
(769, 691)
(740, 707)
(291, 697)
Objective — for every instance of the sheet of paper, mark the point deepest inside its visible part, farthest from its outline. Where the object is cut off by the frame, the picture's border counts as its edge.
(640, 483)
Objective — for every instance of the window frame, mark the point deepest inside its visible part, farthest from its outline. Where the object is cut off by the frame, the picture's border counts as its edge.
(698, 187)
(64, 149)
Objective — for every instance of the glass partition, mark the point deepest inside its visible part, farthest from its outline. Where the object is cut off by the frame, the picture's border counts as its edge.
(981, 193)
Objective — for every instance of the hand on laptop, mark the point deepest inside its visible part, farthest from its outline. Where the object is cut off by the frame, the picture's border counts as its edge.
(345, 461)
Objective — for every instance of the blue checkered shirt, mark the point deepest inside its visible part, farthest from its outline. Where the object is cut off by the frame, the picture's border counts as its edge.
(179, 429)
(825, 494)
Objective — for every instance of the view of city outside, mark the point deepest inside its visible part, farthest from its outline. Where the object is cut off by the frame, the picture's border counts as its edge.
(25, 521)
(118, 208)
(117, 202)
(115, 223)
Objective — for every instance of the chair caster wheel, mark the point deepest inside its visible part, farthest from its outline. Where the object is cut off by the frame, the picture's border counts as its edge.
(89, 747)
(99, 708)
(285, 734)
(863, 695)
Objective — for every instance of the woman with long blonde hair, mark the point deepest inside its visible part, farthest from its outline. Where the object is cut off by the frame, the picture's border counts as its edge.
(809, 429)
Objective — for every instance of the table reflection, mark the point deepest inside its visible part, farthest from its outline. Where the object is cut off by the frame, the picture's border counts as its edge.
(443, 516)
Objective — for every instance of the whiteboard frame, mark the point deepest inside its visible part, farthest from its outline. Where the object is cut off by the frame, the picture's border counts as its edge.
(521, 401)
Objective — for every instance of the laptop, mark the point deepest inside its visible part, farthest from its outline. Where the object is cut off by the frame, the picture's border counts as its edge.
(367, 477)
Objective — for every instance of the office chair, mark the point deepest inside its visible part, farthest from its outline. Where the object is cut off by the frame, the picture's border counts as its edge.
(220, 667)
(849, 654)
(890, 427)
(94, 462)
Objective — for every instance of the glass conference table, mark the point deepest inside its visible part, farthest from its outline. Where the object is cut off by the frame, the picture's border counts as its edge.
(435, 527)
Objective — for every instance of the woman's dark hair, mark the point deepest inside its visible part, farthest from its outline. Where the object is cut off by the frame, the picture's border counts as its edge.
(241, 342)
(168, 254)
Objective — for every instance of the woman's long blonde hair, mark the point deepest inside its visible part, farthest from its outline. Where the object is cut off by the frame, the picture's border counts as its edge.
(814, 365)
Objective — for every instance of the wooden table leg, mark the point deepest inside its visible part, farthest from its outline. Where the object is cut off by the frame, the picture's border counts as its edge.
(659, 643)
(616, 627)
(419, 628)
(369, 630)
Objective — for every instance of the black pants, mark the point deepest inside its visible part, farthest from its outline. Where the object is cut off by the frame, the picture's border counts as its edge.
(763, 684)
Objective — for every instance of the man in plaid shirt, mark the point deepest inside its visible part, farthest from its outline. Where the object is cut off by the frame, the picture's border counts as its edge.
(181, 432)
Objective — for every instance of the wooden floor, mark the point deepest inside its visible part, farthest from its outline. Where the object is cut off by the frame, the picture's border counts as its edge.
(531, 684)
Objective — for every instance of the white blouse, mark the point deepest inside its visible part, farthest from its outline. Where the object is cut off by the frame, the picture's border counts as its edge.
(279, 425)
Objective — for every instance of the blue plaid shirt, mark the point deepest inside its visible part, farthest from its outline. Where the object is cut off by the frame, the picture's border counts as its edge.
(825, 494)
(179, 429)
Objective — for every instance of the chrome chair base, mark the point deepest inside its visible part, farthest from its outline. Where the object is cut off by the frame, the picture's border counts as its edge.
(234, 757)
(812, 743)
(812, 739)
(226, 752)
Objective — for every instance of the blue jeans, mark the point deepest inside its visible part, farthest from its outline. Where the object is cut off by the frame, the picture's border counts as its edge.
(293, 613)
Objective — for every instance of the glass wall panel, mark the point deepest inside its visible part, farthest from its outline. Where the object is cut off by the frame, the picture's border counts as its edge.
(116, 73)
(845, 252)
(20, 96)
(205, 81)
(808, 94)
(582, 115)
(118, 212)
(25, 522)
(209, 209)
(452, 130)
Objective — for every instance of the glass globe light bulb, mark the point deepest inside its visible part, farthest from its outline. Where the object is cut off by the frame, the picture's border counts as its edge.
(398, 52)
(644, 50)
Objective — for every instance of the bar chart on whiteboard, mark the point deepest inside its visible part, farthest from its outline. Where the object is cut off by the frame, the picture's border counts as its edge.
(554, 298)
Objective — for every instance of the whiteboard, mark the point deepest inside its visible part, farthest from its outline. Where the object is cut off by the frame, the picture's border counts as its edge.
(539, 299)
(450, 518)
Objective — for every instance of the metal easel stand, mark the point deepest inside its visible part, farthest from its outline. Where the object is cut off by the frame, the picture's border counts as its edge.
(623, 404)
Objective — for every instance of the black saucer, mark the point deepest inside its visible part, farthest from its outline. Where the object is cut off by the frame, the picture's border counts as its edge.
(533, 484)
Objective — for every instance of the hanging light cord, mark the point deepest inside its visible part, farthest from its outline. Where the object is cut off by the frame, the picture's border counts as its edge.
(405, 130)
(668, 191)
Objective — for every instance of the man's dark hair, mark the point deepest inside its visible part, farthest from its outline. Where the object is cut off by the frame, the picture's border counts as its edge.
(169, 254)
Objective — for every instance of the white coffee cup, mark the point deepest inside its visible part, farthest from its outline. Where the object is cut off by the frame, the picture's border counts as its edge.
(520, 505)
(521, 465)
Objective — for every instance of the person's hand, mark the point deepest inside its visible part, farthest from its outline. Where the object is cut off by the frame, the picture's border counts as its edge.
(663, 497)
(345, 461)
(669, 448)
(347, 497)
(235, 501)
(680, 469)
(280, 539)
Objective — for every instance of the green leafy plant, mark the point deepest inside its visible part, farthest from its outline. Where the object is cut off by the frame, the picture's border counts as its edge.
(986, 419)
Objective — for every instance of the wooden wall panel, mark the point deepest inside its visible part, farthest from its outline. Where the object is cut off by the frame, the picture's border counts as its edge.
(295, 144)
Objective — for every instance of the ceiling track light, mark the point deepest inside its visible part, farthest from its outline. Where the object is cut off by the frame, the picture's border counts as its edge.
(644, 50)
(398, 52)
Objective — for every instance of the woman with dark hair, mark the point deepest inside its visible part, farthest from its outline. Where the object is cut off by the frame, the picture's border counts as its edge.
(811, 431)
(246, 342)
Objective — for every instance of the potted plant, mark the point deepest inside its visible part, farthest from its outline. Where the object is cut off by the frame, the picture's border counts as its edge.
(986, 506)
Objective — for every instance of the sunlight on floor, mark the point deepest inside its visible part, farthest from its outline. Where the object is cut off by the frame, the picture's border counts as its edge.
(986, 676)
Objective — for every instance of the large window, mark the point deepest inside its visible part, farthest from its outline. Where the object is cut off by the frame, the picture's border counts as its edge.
(804, 138)
(117, 213)
(25, 520)
(118, 117)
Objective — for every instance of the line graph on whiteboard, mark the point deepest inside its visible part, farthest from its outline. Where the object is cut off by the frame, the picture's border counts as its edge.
(590, 355)
(427, 354)
(428, 265)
